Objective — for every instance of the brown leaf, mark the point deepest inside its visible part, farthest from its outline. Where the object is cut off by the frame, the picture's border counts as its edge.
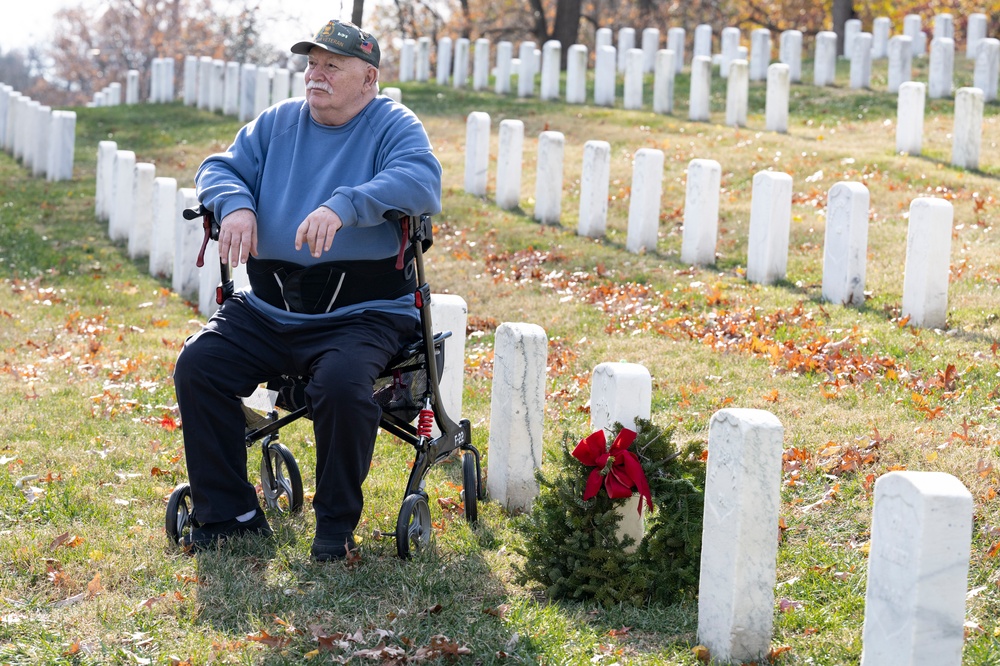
(59, 540)
(267, 639)
(498, 611)
(94, 587)
(701, 653)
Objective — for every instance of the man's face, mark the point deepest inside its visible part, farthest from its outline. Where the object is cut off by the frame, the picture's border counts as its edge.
(334, 85)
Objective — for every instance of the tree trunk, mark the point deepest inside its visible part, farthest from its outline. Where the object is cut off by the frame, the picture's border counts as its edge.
(358, 12)
(567, 27)
(842, 11)
(540, 30)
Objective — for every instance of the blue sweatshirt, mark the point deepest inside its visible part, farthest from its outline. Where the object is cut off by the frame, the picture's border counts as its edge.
(283, 165)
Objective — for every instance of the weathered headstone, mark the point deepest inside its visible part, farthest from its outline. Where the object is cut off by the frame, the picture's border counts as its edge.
(825, 62)
(632, 89)
(852, 27)
(231, 94)
(881, 30)
(776, 97)
(509, 156)
(644, 204)
(845, 244)
(675, 43)
(248, 92)
(517, 414)
(702, 41)
(576, 74)
(942, 65)
(621, 393)
(910, 118)
(701, 87)
(604, 76)
(975, 32)
(664, 73)
(861, 61)
(740, 535)
(967, 135)
(460, 65)
(594, 180)
(105, 169)
(737, 93)
(132, 86)
(62, 146)
(505, 58)
(188, 236)
(526, 69)
(190, 80)
(900, 62)
(161, 242)
(626, 41)
(760, 53)
(944, 26)
(122, 184)
(141, 225)
(477, 152)
(912, 28)
(450, 312)
(730, 49)
(928, 254)
(422, 65)
(987, 68)
(262, 90)
(649, 44)
(443, 60)
(549, 177)
(407, 53)
(551, 58)
(701, 212)
(770, 222)
(790, 53)
(918, 566)
(218, 86)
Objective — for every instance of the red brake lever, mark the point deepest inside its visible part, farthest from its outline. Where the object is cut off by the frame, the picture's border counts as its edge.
(207, 225)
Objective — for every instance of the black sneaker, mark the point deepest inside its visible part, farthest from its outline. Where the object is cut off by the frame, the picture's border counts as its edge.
(325, 549)
(207, 535)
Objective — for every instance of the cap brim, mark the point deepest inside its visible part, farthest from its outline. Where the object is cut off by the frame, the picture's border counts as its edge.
(303, 48)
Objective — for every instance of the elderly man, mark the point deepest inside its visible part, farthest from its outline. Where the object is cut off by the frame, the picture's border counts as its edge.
(301, 195)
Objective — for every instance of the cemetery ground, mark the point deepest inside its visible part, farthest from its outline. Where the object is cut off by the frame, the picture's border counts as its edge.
(92, 444)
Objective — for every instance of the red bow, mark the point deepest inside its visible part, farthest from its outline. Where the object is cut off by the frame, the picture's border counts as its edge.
(618, 468)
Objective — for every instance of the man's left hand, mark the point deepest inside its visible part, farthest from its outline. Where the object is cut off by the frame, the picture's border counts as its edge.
(318, 230)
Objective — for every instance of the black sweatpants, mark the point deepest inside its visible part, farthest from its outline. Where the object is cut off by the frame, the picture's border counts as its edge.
(238, 349)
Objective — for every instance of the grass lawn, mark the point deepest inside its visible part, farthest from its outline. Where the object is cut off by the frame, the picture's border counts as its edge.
(92, 445)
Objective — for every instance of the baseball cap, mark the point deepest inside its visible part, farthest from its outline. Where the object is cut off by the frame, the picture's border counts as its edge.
(344, 38)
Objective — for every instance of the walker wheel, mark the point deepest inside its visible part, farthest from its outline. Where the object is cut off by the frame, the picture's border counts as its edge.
(413, 529)
(470, 487)
(280, 479)
(179, 509)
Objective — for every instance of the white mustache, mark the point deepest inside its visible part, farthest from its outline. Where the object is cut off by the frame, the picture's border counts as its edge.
(320, 85)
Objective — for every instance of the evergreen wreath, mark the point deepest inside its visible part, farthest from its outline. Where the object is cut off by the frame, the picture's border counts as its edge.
(571, 545)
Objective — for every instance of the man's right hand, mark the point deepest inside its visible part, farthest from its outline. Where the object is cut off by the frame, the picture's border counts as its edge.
(238, 237)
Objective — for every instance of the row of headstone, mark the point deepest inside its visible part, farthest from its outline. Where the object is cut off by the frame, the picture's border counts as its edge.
(925, 285)
(242, 90)
(632, 62)
(921, 521)
(43, 140)
(161, 86)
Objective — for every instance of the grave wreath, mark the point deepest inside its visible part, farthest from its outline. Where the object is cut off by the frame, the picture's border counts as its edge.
(570, 537)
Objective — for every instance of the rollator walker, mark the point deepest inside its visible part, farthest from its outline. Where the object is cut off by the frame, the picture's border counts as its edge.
(408, 391)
